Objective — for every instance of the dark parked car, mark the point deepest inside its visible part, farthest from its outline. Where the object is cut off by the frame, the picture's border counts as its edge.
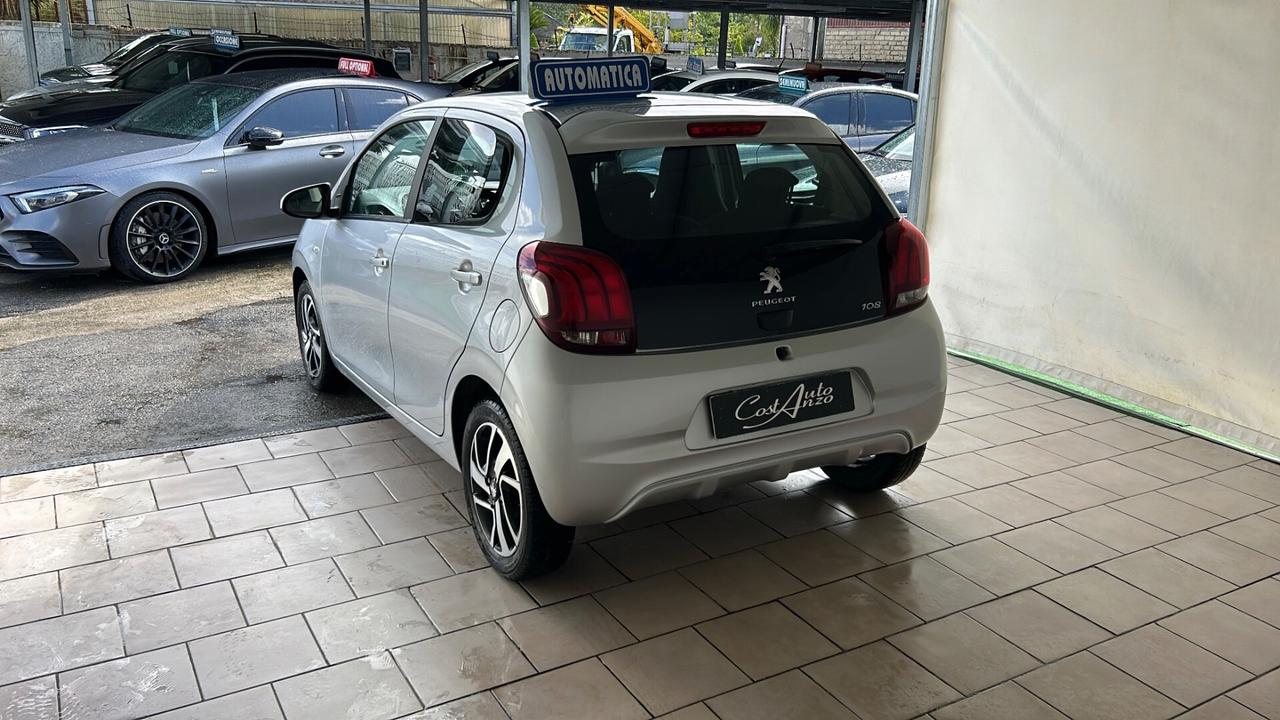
(181, 62)
(864, 115)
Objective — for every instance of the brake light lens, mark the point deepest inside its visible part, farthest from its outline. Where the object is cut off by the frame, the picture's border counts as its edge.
(747, 128)
(907, 284)
(579, 297)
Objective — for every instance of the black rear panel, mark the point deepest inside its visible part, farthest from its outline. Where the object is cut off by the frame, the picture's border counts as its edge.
(736, 243)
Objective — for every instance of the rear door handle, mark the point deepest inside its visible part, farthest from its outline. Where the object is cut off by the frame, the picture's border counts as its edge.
(332, 151)
(380, 261)
(465, 277)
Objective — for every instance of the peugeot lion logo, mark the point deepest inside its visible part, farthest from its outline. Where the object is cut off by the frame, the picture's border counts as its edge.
(772, 276)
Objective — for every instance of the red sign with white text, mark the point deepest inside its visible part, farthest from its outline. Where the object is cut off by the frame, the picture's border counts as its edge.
(356, 66)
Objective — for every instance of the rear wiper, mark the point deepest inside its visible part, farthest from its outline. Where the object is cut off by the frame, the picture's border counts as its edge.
(785, 248)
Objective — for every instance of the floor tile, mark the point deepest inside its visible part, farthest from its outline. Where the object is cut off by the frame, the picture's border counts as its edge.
(584, 572)
(226, 455)
(949, 441)
(365, 626)
(104, 503)
(926, 484)
(1006, 701)
(225, 558)
(1065, 491)
(818, 557)
(413, 518)
(968, 404)
(1250, 480)
(453, 666)
(370, 688)
(130, 687)
(470, 599)
(416, 450)
(333, 497)
(175, 617)
(583, 691)
(51, 550)
(1209, 454)
(113, 581)
(649, 551)
(1082, 410)
(1221, 708)
(253, 512)
(742, 580)
(1262, 695)
(1026, 458)
(1010, 395)
(284, 472)
(1261, 600)
(460, 549)
(889, 538)
(1058, 547)
(1010, 505)
(656, 514)
(392, 567)
(256, 704)
(673, 670)
(34, 597)
(373, 431)
(864, 505)
(691, 712)
(1256, 532)
(795, 513)
(1119, 435)
(1166, 577)
(302, 443)
(1160, 464)
(766, 640)
(1087, 688)
(1114, 529)
(1041, 420)
(32, 700)
(57, 644)
(952, 520)
(926, 587)
(1164, 431)
(963, 653)
(1230, 634)
(1222, 557)
(974, 470)
(994, 430)
(156, 530)
(1217, 499)
(995, 566)
(47, 482)
(198, 487)
(850, 612)
(565, 632)
(1116, 478)
(325, 537)
(1167, 513)
(440, 473)
(981, 375)
(1105, 600)
(1074, 446)
(291, 590)
(408, 483)
(26, 516)
(791, 696)
(1173, 665)
(364, 458)
(878, 681)
(658, 604)
(1038, 625)
(254, 655)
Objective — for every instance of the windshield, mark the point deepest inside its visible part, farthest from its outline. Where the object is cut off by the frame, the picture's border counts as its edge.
(171, 69)
(671, 82)
(584, 41)
(119, 55)
(899, 147)
(464, 73)
(190, 112)
(771, 93)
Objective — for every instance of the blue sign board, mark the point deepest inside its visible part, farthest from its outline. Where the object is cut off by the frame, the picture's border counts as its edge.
(797, 84)
(589, 79)
(695, 65)
(224, 39)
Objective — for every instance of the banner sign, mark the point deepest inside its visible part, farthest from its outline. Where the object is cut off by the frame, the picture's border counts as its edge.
(797, 84)
(180, 31)
(356, 66)
(695, 65)
(589, 79)
(224, 39)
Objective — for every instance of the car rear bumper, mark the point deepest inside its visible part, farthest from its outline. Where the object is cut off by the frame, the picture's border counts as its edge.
(60, 238)
(607, 435)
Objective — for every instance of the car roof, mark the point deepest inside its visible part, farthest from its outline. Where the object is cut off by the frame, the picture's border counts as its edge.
(834, 88)
(735, 74)
(256, 43)
(270, 79)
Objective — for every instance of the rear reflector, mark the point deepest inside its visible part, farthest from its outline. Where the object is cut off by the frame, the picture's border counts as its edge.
(907, 284)
(579, 297)
(725, 129)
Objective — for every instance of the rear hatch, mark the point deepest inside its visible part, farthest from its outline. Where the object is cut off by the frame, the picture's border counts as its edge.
(736, 240)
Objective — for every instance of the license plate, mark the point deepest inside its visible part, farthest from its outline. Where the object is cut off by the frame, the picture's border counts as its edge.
(765, 407)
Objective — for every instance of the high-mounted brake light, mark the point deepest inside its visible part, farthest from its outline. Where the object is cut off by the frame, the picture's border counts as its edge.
(907, 281)
(746, 128)
(579, 297)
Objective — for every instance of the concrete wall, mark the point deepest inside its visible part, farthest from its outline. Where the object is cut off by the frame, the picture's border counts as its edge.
(88, 43)
(1102, 201)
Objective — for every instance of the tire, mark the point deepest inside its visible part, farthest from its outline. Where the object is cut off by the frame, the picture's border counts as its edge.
(323, 375)
(876, 472)
(521, 540)
(158, 237)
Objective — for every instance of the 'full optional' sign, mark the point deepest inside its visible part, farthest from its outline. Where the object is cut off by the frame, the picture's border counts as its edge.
(590, 79)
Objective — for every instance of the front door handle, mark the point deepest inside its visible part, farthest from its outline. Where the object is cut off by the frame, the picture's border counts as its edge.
(380, 260)
(332, 151)
(465, 277)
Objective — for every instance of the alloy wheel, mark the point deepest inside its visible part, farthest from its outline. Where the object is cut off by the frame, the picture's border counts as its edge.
(164, 239)
(495, 490)
(309, 337)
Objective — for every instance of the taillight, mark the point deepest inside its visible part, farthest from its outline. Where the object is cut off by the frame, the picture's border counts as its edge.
(747, 128)
(579, 297)
(907, 281)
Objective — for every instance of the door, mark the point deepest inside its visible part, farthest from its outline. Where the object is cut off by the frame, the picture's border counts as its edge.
(315, 150)
(356, 265)
(836, 110)
(883, 116)
(462, 216)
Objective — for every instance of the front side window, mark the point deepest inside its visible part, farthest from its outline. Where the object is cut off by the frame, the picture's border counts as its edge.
(883, 113)
(465, 175)
(300, 114)
(367, 108)
(383, 177)
(171, 69)
(190, 112)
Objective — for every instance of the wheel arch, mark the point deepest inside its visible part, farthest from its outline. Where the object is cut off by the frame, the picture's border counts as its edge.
(470, 390)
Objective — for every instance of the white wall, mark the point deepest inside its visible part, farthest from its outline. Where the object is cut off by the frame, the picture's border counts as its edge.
(1105, 196)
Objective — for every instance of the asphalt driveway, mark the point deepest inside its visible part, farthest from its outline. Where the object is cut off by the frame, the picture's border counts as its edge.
(93, 366)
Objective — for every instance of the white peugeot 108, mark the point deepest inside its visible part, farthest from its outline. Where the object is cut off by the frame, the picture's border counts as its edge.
(594, 307)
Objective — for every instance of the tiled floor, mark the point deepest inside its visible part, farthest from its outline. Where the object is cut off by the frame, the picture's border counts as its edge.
(1051, 558)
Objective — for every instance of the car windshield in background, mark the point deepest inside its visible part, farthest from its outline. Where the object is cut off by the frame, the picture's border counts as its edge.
(472, 74)
(171, 69)
(771, 93)
(191, 112)
(584, 41)
(123, 52)
(899, 147)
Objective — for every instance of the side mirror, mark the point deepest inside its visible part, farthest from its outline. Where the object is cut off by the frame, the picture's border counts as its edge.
(262, 137)
(308, 203)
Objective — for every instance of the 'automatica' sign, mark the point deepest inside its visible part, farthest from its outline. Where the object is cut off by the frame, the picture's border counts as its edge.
(590, 79)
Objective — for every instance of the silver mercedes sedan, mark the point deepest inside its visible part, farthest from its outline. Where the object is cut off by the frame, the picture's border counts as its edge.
(197, 170)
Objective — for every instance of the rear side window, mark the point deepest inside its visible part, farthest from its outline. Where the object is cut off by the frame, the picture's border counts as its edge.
(882, 113)
(300, 114)
(466, 173)
(834, 110)
(367, 108)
